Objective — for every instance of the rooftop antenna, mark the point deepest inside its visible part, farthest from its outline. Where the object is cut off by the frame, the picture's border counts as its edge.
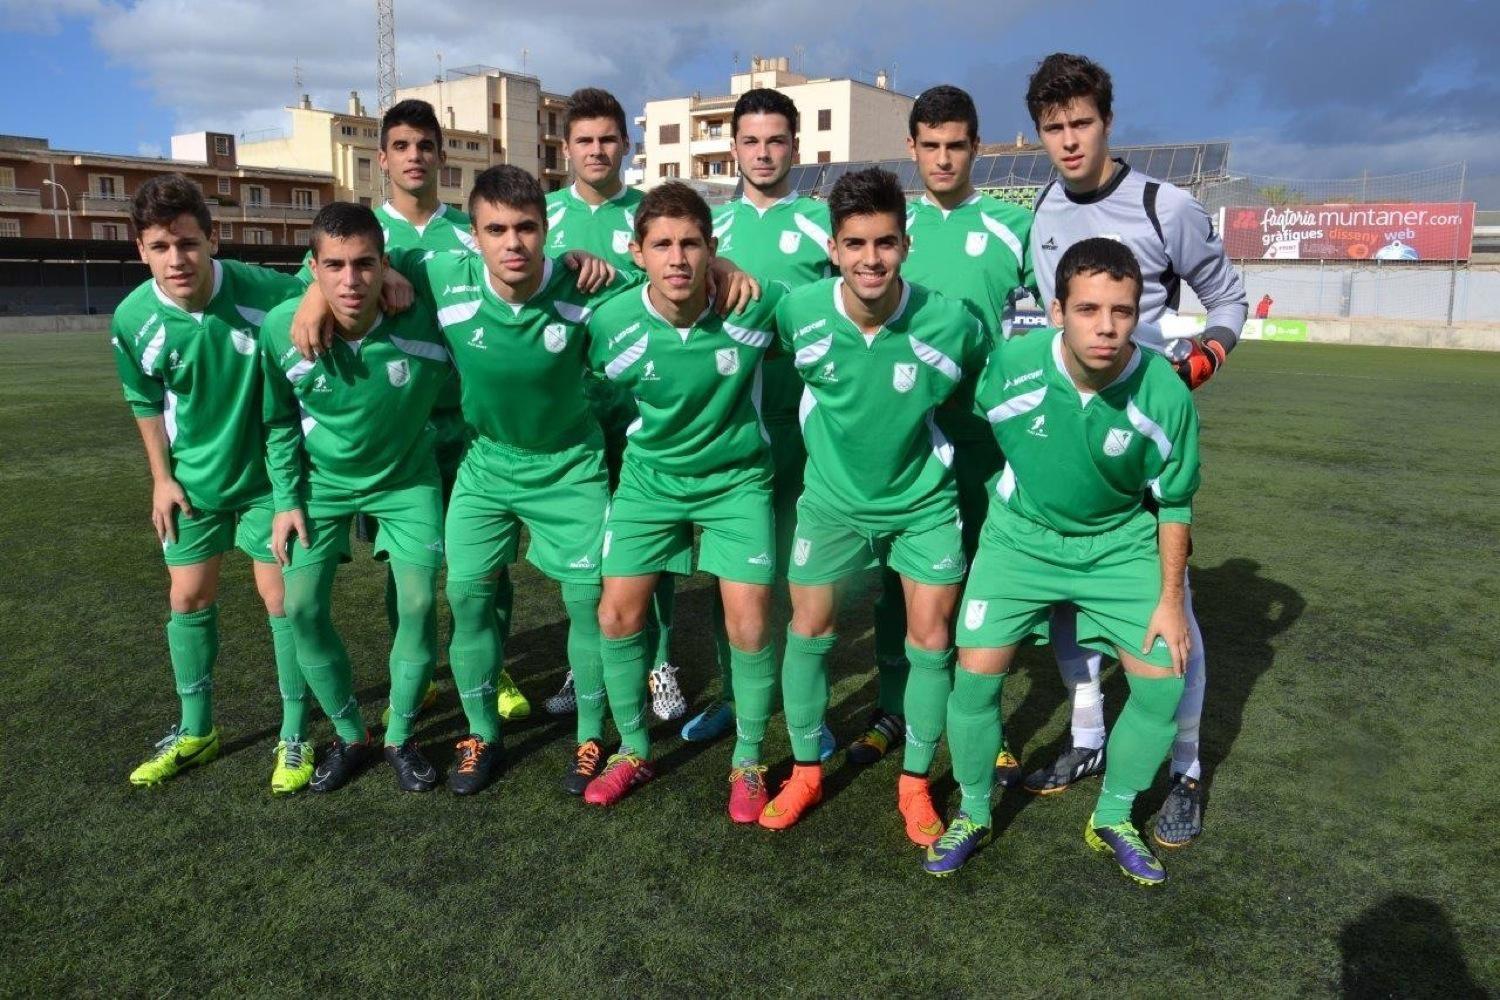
(296, 81)
(799, 57)
(385, 52)
(524, 54)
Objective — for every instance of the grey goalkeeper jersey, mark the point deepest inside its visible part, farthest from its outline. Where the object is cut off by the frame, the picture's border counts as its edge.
(1171, 236)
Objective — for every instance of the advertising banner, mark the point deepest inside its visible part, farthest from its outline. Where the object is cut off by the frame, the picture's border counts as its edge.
(1386, 231)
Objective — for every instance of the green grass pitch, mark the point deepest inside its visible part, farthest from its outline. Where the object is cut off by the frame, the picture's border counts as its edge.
(1346, 578)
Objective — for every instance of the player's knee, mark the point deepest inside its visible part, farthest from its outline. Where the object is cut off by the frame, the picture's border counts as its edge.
(748, 636)
(617, 621)
(187, 599)
(933, 636)
(415, 605)
(471, 601)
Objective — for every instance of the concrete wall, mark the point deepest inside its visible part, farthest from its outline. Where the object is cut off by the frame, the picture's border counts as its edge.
(1385, 291)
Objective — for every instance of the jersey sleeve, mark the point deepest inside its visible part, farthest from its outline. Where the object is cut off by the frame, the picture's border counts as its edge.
(145, 394)
(265, 288)
(1197, 253)
(987, 385)
(1176, 469)
(281, 420)
(425, 268)
(623, 281)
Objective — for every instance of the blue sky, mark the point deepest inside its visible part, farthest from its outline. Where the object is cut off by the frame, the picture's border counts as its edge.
(1302, 89)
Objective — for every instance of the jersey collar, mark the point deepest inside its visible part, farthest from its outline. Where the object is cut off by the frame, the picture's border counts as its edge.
(655, 314)
(1089, 197)
(1084, 396)
(166, 300)
(516, 307)
(971, 199)
(789, 199)
(838, 303)
(390, 210)
(573, 190)
(355, 345)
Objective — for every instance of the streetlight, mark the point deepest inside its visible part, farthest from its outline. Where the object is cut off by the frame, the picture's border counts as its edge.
(68, 209)
(67, 203)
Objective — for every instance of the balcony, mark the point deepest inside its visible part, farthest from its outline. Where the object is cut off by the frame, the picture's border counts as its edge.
(710, 142)
(263, 211)
(102, 204)
(23, 198)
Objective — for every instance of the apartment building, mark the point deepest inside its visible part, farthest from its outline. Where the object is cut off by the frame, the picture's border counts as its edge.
(46, 192)
(841, 120)
(523, 121)
(346, 144)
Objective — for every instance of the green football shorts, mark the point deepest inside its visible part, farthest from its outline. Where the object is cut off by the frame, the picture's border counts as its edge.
(561, 497)
(788, 459)
(209, 533)
(652, 515)
(976, 463)
(828, 546)
(410, 519)
(1024, 568)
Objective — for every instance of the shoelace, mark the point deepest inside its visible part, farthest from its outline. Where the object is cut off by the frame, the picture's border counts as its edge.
(167, 743)
(1132, 839)
(753, 775)
(292, 758)
(618, 761)
(961, 828)
(587, 759)
(469, 750)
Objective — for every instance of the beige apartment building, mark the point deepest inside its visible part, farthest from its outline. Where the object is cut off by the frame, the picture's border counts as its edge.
(841, 120)
(347, 145)
(523, 121)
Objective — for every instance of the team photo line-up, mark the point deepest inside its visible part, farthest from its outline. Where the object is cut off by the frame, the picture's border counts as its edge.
(815, 389)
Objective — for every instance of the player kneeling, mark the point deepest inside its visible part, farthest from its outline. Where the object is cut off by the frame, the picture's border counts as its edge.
(348, 434)
(1089, 423)
(697, 455)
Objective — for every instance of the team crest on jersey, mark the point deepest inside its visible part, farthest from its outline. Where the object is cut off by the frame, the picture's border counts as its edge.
(320, 384)
(555, 337)
(1116, 441)
(174, 361)
(801, 551)
(791, 239)
(975, 244)
(476, 339)
(399, 372)
(727, 360)
(974, 613)
(557, 239)
(904, 376)
(648, 373)
(243, 341)
(621, 241)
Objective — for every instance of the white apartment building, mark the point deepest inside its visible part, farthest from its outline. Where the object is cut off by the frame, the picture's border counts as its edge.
(841, 120)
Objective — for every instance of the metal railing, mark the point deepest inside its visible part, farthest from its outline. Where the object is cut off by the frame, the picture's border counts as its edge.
(20, 198)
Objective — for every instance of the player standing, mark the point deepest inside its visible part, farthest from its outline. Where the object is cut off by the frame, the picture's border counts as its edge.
(346, 434)
(1070, 100)
(596, 214)
(697, 456)
(973, 247)
(1090, 424)
(185, 345)
(878, 354)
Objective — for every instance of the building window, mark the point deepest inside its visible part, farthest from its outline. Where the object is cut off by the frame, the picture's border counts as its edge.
(453, 144)
(10, 227)
(718, 168)
(371, 133)
(304, 198)
(550, 161)
(824, 156)
(254, 194)
(825, 120)
(226, 231)
(300, 237)
(495, 110)
(108, 231)
(221, 145)
(667, 170)
(224, 187)
(258, 237)
(362, 169)
(7, 179)
(668, 135)
(552, 123)
(348, 130)
(497, 147)
(451, 177)
(105, 187)
(471, 146)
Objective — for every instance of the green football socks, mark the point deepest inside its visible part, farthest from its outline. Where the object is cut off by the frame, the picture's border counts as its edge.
(193, 643)
(974, 738)
(1138, 743)
(926, 705)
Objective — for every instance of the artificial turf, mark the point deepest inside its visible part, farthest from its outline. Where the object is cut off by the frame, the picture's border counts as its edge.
(1347, 581)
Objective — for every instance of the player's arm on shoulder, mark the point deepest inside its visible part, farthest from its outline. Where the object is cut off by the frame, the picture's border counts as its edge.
(280, 363)
(1197, 252)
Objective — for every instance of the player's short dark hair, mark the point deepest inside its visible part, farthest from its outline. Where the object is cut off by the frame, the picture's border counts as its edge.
(1062, 77)
(870, 191)
(1098, 255)
(942, 104)
(163, 199)
(672, 200)
(417, 114)
(591, 102)
(344, 220)
(763, 101)
(510, 186)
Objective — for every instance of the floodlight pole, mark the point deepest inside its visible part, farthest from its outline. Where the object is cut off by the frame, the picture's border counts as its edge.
(67, 204)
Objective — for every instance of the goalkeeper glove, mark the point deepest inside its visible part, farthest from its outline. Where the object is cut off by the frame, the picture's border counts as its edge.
(1203, 359)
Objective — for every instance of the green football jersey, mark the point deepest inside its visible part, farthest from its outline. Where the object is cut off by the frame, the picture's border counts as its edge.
(1082, 463)
(873, 448)
(522, 366)
(358, 414)
(200, 373)
(977, 252)
(602, 230)
(787, 242)
(697, 390)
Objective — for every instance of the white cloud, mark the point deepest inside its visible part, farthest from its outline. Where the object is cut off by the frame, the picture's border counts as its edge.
(44, 18)
(148, 149)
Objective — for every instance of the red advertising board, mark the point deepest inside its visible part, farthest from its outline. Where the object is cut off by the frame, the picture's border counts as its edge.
(1394, 231)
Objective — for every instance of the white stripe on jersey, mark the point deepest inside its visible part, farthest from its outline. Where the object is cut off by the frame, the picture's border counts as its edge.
(459, 312)
(556, 217)
(1006, 484)
(153, 349)
(255, 317)
(1149, 428)
(626, 358)
(572, 313)
(308, 423)
(1024, 403)
(813, 353)
(299, 371)
(747, 336)
(805, 406)
(421, 349)
(935, 358)
(811, 228)
(169, 414)
(1002, 231)
(941, 446)
(756, 391)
